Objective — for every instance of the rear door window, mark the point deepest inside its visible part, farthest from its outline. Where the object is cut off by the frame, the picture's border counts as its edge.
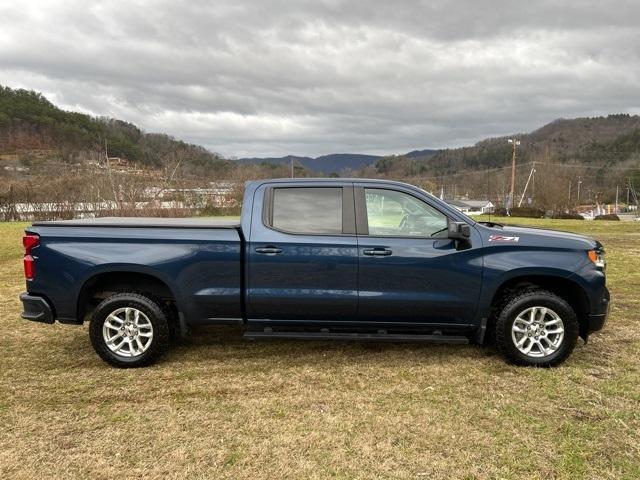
(308, 210)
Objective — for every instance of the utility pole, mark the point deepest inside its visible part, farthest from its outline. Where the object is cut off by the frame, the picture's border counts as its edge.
(515, 142)
(616, 210)
(579, 183)
(292, 167)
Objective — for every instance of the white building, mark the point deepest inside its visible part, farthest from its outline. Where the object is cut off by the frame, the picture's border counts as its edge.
(472, 207)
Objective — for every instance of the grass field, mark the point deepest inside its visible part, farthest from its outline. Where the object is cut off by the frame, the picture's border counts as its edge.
(217, 407)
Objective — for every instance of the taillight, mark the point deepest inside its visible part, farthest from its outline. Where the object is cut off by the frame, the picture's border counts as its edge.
(30, 242)
(29, 267)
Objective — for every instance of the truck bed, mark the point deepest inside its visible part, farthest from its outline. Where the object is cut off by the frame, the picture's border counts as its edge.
(199, 258)
(143, 222)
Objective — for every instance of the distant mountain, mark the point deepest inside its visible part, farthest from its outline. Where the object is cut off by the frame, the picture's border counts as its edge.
(601, 141)
(325, 164)
(335, 162)
(422, 154)
(274, 160)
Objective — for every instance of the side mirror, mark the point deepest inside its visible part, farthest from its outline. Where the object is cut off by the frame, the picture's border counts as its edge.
(459, 231)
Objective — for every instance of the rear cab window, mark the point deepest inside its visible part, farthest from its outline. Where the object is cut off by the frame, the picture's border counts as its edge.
(307, 210)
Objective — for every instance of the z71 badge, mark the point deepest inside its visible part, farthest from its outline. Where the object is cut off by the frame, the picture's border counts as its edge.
(501, 238)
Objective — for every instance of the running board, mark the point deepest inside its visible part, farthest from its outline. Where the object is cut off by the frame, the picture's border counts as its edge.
(374, 337)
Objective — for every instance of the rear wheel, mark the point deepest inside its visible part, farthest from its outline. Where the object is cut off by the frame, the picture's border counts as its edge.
(537, 328)
(129, 330)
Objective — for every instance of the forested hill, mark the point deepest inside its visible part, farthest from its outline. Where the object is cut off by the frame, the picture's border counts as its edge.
(28, 121)
(602, 141)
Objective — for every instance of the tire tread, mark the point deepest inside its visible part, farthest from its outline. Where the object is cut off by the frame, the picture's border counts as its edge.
(161, 329)
(504, 319)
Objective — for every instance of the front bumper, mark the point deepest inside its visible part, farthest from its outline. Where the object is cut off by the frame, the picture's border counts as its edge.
(36, 309)
(598, 318)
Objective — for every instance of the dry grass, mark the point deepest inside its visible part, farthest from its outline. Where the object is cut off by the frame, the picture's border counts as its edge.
(217, 407)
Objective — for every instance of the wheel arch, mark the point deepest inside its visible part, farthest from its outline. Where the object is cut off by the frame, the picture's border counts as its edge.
(119, 280)
(563, 287)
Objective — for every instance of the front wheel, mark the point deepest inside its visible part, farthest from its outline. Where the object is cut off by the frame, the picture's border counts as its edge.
(536, 328)
(129, 330)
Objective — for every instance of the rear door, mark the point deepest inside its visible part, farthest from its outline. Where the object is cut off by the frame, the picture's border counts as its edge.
(302, 253)
(409, 271)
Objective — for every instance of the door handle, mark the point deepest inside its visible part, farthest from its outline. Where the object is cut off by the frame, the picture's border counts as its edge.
(269, 250)
(377, 252)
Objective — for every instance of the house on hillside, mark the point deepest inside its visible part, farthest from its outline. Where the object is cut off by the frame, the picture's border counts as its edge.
(472, 207)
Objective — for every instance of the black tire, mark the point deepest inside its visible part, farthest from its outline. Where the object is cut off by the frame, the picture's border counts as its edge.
(170, 313)
(153, 310)
(518, 302)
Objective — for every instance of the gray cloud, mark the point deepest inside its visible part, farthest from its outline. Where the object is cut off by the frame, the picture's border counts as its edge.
(277, 77)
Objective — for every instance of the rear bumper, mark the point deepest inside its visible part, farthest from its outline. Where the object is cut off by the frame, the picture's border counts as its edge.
(36, 309)
(598, 318)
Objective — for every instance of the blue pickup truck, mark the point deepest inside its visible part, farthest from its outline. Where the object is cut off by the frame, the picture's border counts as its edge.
(344, 259)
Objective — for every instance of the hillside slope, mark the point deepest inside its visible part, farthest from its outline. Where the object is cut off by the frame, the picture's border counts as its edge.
(600, 140)
(28, 121)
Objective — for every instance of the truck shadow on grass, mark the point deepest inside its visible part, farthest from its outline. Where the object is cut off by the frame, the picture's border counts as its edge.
(226, 345)
(213, 342)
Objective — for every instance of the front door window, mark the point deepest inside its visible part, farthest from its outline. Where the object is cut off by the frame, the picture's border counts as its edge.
(396, 214)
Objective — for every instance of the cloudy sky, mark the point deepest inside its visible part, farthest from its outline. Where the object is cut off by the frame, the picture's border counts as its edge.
(269, 78)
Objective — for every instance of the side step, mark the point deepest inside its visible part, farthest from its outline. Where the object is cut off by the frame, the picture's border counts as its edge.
(381, 336)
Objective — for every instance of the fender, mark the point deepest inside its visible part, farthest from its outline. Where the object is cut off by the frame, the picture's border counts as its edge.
(494, 280)
(127, 268)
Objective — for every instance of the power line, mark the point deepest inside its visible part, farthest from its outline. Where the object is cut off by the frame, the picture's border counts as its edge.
(470, 172)
(572, 165)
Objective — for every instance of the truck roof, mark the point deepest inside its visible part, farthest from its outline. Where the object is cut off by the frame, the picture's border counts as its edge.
(335, 181)
(331, 180)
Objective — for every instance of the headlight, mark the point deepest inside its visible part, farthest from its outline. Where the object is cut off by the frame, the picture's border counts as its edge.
(597, 257)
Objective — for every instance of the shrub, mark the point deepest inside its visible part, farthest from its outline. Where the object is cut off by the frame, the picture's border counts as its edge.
(611, 216)
(567, 216)
(528, 212)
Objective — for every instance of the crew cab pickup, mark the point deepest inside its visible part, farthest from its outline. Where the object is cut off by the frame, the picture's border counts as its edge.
(348, 259)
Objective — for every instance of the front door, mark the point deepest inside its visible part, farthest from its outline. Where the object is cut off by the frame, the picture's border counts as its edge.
(303, 257)
(409, 271)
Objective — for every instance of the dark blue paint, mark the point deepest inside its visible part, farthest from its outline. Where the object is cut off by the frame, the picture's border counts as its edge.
(200, 266)
(217, 273)
(314, 278)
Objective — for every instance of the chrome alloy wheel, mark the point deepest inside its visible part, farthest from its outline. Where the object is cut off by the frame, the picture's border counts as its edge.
(537, 332)
(127, 332)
